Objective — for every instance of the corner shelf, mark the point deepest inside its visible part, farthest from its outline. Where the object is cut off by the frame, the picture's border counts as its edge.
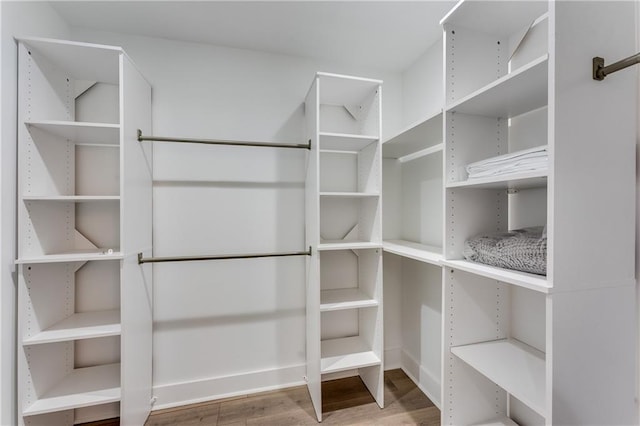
(340, 299)
(85, 325)
(520, 91)
(80, 132)
(346, 354)
(517, 368)
(415, 251)
(83, 387)
(415, 138)
(521, 279)
(525, 180)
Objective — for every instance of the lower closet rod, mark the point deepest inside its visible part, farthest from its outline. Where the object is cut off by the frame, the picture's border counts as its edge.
(142, 138)
(142, 260)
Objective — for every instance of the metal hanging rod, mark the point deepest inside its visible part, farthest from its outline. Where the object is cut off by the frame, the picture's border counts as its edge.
(142, 260)
(142, 138)
(600, 71)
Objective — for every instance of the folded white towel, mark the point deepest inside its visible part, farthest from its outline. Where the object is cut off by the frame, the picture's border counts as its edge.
(534, 159)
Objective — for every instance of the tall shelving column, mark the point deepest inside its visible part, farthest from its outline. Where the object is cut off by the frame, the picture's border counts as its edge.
(413, 205)
(534, 349)
(84, 202)
(343, 216)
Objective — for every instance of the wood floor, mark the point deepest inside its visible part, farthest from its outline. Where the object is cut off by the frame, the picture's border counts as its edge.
(345, 402)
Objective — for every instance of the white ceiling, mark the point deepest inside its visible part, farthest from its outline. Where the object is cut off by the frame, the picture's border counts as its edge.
(380, 34)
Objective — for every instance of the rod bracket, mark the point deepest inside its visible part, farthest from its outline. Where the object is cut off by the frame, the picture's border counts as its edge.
(140, 261)
(598, 65)
(139, 135)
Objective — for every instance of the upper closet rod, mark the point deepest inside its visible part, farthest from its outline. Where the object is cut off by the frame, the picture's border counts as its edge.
(600, 71)
(223, 142)
(142, 260)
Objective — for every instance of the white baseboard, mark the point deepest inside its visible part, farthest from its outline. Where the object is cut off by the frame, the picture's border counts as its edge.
(392, 358)
(193, 392)
(425, 380)
(96, 412)
(211, 389)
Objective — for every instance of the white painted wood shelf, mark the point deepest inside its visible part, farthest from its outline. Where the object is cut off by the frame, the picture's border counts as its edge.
(347, 245)
(415, 251)
(340, 90)
(499, 18)
(499, 421)
(346, 354)
(71, 198)
(521, 279)
(345, 142)
(83, 387)
(83, 61)
(78, 326)
(524, 180)
(520, 91)
(349, 298)
(349, 194)
(417, 137)
(80, 132)
(517, 368)
(75, 256)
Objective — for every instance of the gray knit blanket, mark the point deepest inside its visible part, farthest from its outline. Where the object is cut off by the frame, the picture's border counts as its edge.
(521, 249)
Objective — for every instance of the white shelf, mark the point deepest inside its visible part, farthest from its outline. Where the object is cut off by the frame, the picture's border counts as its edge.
(351, 298)
(83, 387)
(346, 354)
(344, 142)
(520, 279)
(81, 132)
(535, 179)
(82, 61)
(75, 256)
(349, 194)
(71, 198)
(415, 138)
(85, 325)
(499, 421)
(438, 148)
(326, 245)
(415, 251)
(337, 89)
(517, 368)
(523, 90)
(495, 17)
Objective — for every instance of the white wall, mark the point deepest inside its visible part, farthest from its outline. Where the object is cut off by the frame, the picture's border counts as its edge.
(422, 91)
(17, 19)
(229, 327)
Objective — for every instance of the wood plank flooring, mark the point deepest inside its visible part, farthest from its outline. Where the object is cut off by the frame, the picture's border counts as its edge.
(345, 402)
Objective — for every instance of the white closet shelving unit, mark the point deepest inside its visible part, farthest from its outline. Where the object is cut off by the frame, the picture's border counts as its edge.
(84, 202)
(343, 217)
(554, 349)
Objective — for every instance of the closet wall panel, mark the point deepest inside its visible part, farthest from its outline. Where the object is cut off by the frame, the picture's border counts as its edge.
(234, 326)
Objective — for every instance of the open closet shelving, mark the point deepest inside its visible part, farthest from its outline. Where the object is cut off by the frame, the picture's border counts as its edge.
(84, 202)
(518, 346)
(344, 231)
(417, 150)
